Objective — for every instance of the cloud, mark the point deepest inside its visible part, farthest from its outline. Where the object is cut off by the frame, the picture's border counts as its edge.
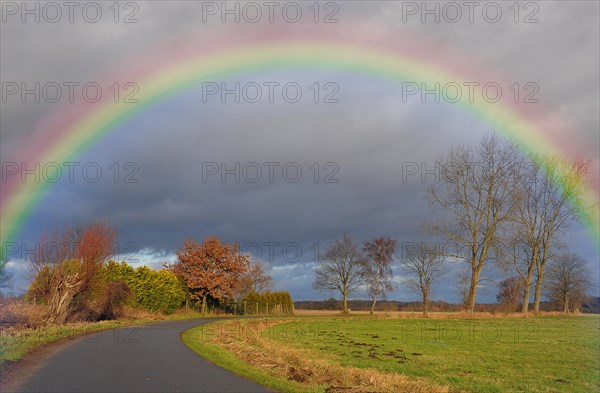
(362, 141)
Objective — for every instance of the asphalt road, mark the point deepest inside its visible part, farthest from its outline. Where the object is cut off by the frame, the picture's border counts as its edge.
(146, 358)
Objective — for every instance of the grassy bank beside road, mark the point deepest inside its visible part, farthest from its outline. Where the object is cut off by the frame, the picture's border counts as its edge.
(536, 354)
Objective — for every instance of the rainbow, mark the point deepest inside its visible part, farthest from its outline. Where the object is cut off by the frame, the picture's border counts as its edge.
(74, 132)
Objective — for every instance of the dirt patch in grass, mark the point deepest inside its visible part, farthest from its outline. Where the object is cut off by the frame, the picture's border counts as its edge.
(251, 345)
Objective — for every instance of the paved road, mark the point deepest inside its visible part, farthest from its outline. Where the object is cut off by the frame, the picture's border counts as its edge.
(147, 358)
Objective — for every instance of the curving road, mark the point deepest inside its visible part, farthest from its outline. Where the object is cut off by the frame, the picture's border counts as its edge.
(145, 358)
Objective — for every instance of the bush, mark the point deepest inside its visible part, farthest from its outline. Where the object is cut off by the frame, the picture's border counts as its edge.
(154, 290)
(115, 295)
(114, 286)
(39, 289)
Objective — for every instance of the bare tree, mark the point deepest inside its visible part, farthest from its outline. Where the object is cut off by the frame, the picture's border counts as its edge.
(545, 186)
(377, 270)
(422, 264)
(519, 256)
(568, 281)
(53, 249)
(555, 194)
(523, 243)
(476, 196)
(254, 280)
(340, 269)
(510, 290)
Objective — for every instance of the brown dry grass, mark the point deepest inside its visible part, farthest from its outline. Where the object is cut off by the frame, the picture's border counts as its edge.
(21, 315)
(20, 321)
(307, 367)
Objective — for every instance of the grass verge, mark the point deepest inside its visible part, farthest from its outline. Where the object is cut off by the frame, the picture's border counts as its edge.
(248, 348)
(351, 354)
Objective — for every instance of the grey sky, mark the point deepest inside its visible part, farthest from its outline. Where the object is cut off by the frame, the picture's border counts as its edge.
(362, 141)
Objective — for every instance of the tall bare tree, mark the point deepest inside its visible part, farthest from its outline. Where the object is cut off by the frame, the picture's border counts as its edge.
(423, 265)
(524, 242)
(340, 269)
(568, 281)
(476, 196)
(546, 185)
(520, 255)
(558, 202)
(377, 271)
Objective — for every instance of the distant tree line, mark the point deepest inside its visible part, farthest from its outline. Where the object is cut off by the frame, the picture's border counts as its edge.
(382, 305)
(590, 305)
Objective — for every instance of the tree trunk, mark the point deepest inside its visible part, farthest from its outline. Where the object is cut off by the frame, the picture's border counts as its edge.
(425, 304)
(203, 310)
(345, 302)
(538, 288)
(62, 297)
(540, 276)
(374, 301)
(473, 290)
(527, 290)
(566, 304)
(59, 306)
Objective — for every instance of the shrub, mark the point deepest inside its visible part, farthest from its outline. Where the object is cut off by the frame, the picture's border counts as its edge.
(154, 290)
(39, 289)
(115, 295)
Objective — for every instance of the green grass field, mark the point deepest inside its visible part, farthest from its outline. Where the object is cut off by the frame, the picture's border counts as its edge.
(537, 354)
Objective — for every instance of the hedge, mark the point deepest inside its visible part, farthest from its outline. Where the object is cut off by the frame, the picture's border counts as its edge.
(155, 290)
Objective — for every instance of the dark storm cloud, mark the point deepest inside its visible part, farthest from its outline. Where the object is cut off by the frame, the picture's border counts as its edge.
(367, 136)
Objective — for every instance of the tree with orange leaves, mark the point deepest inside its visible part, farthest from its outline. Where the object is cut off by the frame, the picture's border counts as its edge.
(66, 264)
(210, 269)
